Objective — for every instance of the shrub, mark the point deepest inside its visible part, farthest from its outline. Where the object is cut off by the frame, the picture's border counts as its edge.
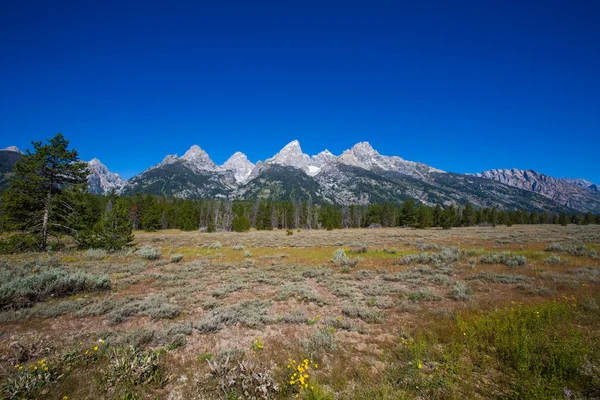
(359, 249)
(366, 314)
(420, 245)
(575, 250)
(155, 307)
(237, 247)
(319, 341)
(149, 253)
(341, 259)
(552, 260)
(488, 276)
(129, 366)
(425, 294)
(461, 292)
(299, 291)
(20, 288)
(252, 313)
(243, 379)
(95, 254)
(175, 258)
(507, 258)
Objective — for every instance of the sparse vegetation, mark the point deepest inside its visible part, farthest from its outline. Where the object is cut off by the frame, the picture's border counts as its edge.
(418, 328)
(149, 253)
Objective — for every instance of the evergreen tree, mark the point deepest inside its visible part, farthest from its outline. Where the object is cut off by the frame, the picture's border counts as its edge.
(437, 215)
(563, 219)
(589, 218)
(468, 215)
(408, 213)
(493, 216)
(448, 217)
(115, 230)
(38, 200)
(479, 218)
(424, 218)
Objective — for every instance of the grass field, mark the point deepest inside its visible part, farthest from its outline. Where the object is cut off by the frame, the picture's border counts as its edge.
(401, 313)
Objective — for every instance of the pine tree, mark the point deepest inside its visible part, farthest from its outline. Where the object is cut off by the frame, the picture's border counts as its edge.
(115, 230)
(408, 213)
(563, 219)
(468, 215)
(493, 216)
(424, 217)
(448, 217)
(37, 200)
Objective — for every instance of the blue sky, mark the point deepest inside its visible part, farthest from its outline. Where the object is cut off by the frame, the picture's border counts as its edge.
(463, 86)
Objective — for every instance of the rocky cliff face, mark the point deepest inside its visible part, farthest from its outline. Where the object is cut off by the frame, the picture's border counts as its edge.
(577, 194)
(101, 180)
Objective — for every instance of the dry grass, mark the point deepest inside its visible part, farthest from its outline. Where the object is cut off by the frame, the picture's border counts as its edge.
(210, 296)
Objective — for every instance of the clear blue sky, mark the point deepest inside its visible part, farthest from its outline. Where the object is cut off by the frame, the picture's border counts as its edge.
(462, 86)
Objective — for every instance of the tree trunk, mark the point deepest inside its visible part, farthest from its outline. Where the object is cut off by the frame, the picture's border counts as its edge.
(45, 223)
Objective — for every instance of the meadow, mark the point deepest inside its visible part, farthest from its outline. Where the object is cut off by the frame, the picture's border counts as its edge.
(479, 312)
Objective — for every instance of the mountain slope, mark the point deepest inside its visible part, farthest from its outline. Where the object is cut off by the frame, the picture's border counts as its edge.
(360, 175)
(577, 194)
(8, 158)
(179, 179)
(280, 182)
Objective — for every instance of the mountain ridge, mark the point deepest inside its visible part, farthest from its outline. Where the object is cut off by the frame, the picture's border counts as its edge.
(358, 175)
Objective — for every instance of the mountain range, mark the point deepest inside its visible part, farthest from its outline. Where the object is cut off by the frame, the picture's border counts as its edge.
(360, 175)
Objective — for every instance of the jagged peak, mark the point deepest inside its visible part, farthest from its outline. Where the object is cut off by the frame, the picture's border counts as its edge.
(169, 159)
(238, 155)
(293, 144)
(326, 153)
(13, 148)
(364, 147)
(194, 152)
(292, 147)
(240, 165)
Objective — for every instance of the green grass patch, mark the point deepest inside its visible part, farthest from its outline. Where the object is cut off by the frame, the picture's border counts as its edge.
(536, 351)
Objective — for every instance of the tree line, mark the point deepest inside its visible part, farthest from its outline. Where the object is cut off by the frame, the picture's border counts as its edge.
(48, 199)
(149, 212)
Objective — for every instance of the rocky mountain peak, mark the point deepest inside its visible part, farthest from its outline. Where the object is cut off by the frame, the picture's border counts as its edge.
(198, 159)
(322, 159)
(13, 148)
(364, 149)
(101, 180)
(291, 155)
(169, 159)
(240, 165)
